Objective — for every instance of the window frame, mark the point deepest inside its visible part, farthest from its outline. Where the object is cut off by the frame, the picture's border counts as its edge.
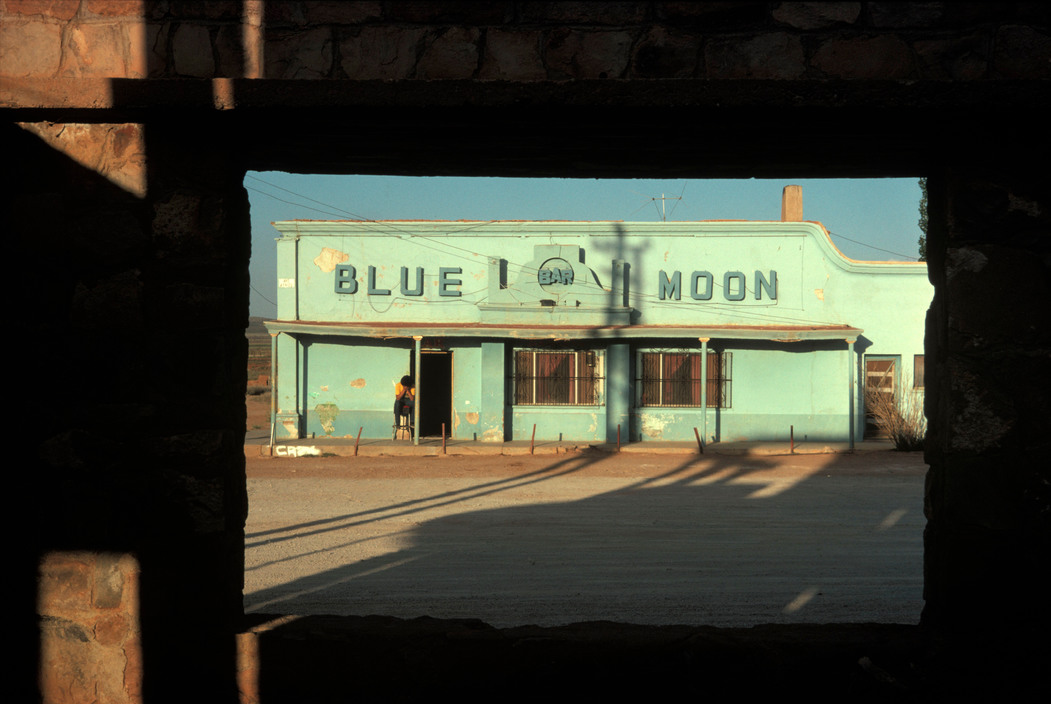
(719, 378)
(889, 380)
(579, 388)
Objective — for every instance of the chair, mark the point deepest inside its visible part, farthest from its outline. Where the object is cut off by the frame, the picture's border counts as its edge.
(404, 422)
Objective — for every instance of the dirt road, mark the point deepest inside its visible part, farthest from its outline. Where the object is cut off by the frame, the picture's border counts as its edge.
(723, 541)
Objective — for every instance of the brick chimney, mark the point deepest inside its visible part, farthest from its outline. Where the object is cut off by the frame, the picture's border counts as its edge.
(792, 204)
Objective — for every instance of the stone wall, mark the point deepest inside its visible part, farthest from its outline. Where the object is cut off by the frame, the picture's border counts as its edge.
(131, 124)
(523, 41)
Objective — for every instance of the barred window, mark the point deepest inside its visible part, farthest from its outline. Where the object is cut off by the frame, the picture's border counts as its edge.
(558, 377)
(674, 379)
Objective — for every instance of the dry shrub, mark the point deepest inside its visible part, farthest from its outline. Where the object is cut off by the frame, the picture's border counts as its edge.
(899, 415)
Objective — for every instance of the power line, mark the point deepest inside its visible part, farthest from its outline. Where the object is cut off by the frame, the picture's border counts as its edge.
(896, 254)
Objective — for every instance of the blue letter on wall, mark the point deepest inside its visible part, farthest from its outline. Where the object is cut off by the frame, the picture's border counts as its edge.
(372, 284)
(345, 281)
(706, 295)
(405, 290)
(769, 285)
(444, 281)
(668, 288)
(737, 295)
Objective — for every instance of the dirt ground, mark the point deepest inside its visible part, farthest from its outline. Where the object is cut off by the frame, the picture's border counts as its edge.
(258, 408)
(549, 540)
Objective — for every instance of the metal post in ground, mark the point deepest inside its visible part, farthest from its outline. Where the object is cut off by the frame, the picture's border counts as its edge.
(356, 441)
(532, 438)
(700, 445)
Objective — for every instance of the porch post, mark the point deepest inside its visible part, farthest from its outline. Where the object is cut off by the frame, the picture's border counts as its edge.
(704, 390)
(416, 402)
(850, 382)
(273, 390)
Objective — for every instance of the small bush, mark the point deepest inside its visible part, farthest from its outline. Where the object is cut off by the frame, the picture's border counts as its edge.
(899, 415)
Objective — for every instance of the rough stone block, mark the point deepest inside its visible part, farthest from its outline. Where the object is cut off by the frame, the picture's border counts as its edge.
(54, 9)
(192, 51)
(380, 53)
(905, 15)
(65, 583)
(229, 45)
(156, 50)
(714, 17)
(582, 54)
(606, 13)
(462, 12)
(777, 55)
(304, 55)
(664, 54)
(30, 49)
(452, 54)
(96, 50)
(883, 57)
(112, 8)
(512, 56)
(108, 592)
(959, 58)
(111, 303)
(112, 629)
(1022, 52)
(340, 12)
(817, 15)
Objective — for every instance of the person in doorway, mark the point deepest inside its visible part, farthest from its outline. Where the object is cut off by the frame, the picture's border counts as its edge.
(405, 396)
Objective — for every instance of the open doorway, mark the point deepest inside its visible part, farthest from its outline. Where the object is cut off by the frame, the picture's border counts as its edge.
(435, 393)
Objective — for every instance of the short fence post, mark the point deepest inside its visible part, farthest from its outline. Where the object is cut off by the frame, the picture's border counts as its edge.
(532, 438)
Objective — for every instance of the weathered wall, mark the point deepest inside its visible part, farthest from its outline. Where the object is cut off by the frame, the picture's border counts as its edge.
(132, 123)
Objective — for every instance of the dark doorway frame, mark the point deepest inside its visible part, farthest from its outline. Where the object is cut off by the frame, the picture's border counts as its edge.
(436, 392)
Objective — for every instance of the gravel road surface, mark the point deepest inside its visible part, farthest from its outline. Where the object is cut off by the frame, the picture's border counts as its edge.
(555, 539)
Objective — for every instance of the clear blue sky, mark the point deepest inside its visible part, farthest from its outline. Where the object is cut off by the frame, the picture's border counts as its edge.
(870, 219)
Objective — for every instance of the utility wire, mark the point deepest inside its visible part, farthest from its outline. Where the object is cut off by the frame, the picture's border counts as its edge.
(896, 254)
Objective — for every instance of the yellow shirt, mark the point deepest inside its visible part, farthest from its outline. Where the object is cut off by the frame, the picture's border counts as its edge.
(410, 392)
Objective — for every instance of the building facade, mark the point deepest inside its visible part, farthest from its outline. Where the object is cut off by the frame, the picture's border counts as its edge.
(589, 331)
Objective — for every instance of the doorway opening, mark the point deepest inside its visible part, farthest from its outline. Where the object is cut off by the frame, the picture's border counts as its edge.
(435, 394)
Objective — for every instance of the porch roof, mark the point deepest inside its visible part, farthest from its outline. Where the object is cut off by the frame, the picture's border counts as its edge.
(777, 333)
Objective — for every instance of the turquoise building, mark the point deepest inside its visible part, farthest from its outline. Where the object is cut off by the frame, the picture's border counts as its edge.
(582, 330)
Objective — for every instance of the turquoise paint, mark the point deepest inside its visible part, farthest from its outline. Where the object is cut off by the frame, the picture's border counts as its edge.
(483, 290)
(618, 391)
(553, 423)
(467, 391)
(493, 409)
(356, 379)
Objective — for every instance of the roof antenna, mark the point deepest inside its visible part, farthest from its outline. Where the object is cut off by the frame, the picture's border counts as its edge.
(662, 208)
